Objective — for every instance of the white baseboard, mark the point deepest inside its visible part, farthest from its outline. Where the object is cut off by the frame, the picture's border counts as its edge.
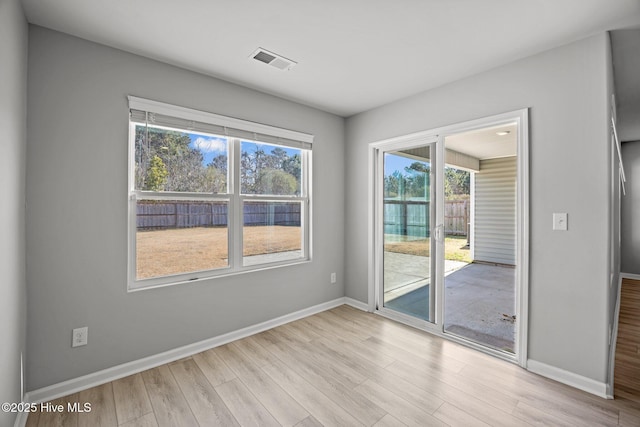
(356, 304)
(631, 276)
(597, 388)
(110, 374)
(21, 419)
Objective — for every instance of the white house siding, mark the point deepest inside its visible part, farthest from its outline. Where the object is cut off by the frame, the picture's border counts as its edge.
(495, 211)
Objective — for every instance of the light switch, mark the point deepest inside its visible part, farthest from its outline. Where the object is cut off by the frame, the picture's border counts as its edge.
(560, 221)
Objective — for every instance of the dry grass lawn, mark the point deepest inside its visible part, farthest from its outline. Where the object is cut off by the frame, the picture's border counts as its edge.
(174, 251)
(454, 248)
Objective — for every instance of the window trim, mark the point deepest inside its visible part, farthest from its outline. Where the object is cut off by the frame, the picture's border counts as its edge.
(234, 198)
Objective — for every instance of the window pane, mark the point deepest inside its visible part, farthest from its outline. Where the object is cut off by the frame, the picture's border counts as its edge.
(271, 232)
(179, 236)
(172, 160)
(270, 169)
(406, 178)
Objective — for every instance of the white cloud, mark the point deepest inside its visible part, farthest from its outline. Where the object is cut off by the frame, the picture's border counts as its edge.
(210, 145)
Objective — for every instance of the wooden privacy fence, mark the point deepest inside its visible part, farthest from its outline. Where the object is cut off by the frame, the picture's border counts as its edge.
(272, 213)
(159, 214)
(456, 217)
(406, 218)
(411, 218)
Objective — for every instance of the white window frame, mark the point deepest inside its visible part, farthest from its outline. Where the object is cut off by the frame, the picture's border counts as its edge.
(261, 133)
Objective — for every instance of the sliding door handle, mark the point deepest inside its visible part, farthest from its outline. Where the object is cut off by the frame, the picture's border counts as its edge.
(439, 232)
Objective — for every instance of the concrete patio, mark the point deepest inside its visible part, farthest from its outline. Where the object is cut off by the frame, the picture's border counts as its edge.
(479, 298)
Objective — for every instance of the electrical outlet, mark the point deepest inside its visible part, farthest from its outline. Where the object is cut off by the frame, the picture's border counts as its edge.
(333, 278)
(560, 221)
(80, 336)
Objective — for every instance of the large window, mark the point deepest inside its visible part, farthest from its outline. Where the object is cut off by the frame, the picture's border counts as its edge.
(212, 195)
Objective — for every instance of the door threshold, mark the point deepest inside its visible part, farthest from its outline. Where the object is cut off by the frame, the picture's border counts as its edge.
(433, 329)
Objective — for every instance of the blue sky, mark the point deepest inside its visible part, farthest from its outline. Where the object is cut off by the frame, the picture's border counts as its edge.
(393, 162)
(210, 146)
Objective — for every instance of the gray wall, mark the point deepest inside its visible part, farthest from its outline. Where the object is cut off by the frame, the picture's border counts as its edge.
(494, 235)
(630, 207)
(615, 192)
(568, 92)
(626, 62)
(13, 107)
(77, 216)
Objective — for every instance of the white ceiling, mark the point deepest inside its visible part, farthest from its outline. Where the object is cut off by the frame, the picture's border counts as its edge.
(353, 55)
(485, 143)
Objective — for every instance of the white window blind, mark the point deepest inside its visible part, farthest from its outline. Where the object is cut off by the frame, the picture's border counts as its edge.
(153, 113)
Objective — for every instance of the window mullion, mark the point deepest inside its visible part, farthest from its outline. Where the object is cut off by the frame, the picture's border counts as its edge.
(236, 217)
(166, 195)
(306, 193)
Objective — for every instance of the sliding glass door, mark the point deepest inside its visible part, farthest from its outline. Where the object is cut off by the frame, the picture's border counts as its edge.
(450, 229)
(407, 212)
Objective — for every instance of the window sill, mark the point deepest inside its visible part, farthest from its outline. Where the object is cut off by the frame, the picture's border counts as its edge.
(137, 286)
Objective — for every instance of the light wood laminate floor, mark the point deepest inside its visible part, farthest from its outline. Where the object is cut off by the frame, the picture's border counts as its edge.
(627, 368)
(342, 367)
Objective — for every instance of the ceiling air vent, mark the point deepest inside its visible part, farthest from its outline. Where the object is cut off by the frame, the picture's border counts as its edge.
(273, 59)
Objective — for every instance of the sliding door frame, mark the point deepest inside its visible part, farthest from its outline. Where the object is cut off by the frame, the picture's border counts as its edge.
(521, 118)
(379, 149)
